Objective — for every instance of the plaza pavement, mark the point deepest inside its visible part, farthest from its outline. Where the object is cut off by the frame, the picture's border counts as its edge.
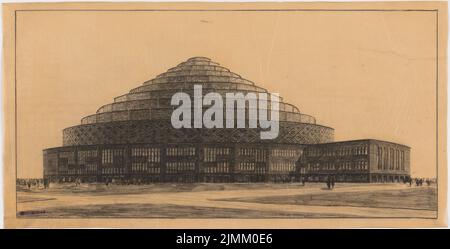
(212, 199)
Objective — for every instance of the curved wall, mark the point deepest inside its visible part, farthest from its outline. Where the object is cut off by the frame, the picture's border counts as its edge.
(150, 131)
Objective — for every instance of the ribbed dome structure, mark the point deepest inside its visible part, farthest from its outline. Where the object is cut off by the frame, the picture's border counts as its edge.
(143, 114)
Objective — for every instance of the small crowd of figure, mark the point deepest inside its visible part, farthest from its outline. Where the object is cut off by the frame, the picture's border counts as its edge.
(418, 181)
(107, 181)
(34, 183)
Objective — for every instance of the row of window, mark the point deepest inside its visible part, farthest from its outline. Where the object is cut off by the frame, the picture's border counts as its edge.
(150, 88)
(148, 113)
(185, 151)
(286, 153)
(343, 151)
(282, 167)
(390, 158)
(113, 170)
(87, 157)
(110, 156)
(145, 167)
(146, 154)
(246, 166)
(67, 156)
(91, 167)
(250, 167)
(153, 102)
(250, 151)
(220, 167)
(72, 171)
(258, 154)
(210, 154)
(175, 167)
(358, 165)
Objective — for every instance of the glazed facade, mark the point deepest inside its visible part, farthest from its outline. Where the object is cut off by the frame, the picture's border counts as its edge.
(356, 161)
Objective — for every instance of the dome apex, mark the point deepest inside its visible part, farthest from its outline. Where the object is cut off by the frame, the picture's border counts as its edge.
(199, 58)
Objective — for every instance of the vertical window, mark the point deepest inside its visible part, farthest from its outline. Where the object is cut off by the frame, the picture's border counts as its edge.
(391, 157)
(380, 157)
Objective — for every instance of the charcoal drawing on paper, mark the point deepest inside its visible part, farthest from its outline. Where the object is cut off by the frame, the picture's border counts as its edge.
(230, 114)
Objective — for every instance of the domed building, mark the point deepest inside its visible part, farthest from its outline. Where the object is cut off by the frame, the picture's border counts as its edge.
(132, 139)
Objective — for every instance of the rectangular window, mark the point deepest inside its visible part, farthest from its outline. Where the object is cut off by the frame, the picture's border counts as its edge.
(379, 157)
(145, 159)
(391, 157)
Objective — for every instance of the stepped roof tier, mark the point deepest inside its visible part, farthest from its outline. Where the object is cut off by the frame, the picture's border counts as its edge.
(150, 103)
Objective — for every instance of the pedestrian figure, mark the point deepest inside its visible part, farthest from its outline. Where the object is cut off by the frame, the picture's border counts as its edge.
(46, 183)
(333, 180)
(328, 182)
